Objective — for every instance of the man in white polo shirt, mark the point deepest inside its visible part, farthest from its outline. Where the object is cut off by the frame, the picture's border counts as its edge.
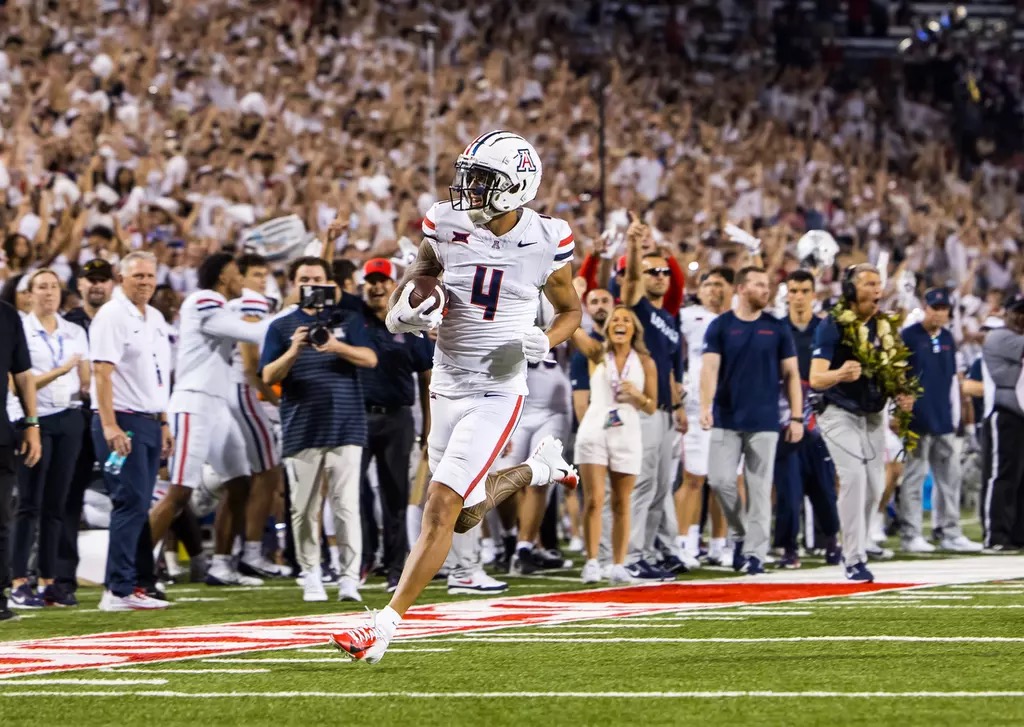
(131, 363)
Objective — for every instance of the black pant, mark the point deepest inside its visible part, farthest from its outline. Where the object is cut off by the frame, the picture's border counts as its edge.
(389, 439)
(84, 474)
(42, 491)
(1002, 497)
(8, 476)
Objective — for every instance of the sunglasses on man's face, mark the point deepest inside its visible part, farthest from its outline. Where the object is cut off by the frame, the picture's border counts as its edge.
(659, 271)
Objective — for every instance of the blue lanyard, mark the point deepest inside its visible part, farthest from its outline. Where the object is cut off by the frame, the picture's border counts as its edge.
(57, 357)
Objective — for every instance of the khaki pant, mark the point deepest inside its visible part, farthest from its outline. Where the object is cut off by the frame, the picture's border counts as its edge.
(751, 524)
(857, 445)
(341, 468)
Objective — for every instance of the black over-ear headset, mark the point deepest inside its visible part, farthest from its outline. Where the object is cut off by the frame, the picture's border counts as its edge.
(849, 286)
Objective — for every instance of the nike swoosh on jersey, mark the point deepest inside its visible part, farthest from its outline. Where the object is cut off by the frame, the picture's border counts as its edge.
(526, 244)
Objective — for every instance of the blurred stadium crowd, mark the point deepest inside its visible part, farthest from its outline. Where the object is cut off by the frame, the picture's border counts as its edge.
(191, 128)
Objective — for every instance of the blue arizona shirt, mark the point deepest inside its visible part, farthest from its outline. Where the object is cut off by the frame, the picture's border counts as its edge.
(933, 362)
(664, 342)
(749, 376)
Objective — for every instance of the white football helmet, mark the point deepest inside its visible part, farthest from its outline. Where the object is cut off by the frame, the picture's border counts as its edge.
(819, 246)
(497, 173)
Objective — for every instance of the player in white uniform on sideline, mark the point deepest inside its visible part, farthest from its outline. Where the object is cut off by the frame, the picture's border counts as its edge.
(497, 256)
(546, 412)
(715, 294)
(198, 411)
(252, 417)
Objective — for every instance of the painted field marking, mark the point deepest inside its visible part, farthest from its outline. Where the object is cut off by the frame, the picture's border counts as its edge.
(526, 695)
(197, 599)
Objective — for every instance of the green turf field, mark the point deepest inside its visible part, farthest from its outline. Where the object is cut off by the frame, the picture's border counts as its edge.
(938, 655)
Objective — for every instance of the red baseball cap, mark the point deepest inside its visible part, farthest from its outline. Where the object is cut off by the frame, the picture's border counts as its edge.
(379, 266)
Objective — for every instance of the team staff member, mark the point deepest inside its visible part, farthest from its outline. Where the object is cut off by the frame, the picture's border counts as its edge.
(933, 362)
(95, 284)
(746, 354)
(644, 287)
(389, 393)
(804, 468)
(14, 360)
(853, 422)
(130, 351)
(323, 420)
(1002, 502)
(60, 365)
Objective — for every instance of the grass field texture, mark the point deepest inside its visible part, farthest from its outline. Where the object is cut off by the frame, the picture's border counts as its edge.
(935, 655)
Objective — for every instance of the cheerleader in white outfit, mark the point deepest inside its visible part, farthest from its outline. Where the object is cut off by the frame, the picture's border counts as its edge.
(623, 381)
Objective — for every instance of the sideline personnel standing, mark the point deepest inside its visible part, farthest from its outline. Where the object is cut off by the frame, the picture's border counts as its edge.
(852, 422)
(14, 360)
(131, 363)
(933, 361)
(389, 395)
(747, 353)
(1002, 503)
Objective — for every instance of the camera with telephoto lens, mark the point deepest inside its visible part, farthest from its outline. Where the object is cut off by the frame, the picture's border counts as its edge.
(322, 299)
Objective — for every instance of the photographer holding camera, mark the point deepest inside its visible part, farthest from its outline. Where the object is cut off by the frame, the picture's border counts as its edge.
(315, 352)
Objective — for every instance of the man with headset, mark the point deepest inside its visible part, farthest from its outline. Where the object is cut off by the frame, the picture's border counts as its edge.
(852, 421)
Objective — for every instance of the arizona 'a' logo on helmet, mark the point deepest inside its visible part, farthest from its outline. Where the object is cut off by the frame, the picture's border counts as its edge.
(499, 172)
(524, 161)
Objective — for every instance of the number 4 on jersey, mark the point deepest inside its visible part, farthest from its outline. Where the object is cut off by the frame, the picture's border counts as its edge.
(488, 300)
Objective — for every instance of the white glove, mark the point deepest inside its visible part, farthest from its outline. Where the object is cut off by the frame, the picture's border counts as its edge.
(536, 345)
(403, 318)
(736, 234)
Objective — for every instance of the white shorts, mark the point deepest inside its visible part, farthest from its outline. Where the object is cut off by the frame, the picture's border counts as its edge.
(620, 449)
(206, 435)
(262, 447)
(466, 435)
(696, 447)
(534, 426)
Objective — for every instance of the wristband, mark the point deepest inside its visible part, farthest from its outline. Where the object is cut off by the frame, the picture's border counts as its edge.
(32, 421)
(799, 420)
(677, 407)
(165, 424)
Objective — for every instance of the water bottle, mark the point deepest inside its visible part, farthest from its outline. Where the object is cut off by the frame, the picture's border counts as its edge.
(115, 461)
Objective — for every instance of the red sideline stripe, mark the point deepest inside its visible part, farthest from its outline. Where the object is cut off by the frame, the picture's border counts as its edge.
(184, 454)
(264, 434)
(502, 441)
(201, 301)
(566, 241)
(427, 222)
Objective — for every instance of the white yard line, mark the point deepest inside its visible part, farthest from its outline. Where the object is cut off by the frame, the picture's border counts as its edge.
(84, 682)
(130, 670)
(738, 640)
(526, 695)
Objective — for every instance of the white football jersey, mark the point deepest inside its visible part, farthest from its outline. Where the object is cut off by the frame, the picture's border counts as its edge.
(493, 285)
(208, 331)
(249, 304)
(693, 323)
(550, 389)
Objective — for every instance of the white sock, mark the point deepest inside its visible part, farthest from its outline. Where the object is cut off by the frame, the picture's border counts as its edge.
(681, 542)
(388, 620)
(717, 545)
(524, 544)
(693, 539)
(541, 473)
(221, 561)
(252, 551)
(335, 557)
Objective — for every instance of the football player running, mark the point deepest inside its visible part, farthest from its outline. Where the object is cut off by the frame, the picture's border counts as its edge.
(497, 257)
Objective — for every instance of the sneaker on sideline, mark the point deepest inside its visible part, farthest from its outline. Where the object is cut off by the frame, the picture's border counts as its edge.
(917, 544)
(348, 590)
(476, 583)
(137, 601)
